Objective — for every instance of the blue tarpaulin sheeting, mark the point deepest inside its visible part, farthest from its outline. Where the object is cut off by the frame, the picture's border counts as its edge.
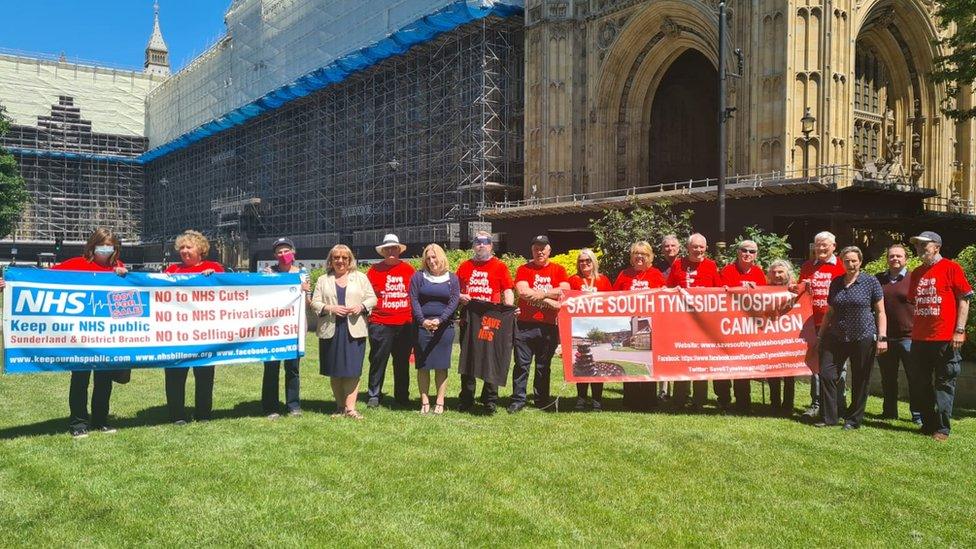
(423, 30)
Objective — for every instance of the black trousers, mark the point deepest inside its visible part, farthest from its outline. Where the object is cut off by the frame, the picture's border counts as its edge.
(936, 366)
(899, 350)
(489, 391)
(596, 389)
(782, 392)
(385, 341)
(78, 398)
(833, 354)
(699, 394)
(203, 378)
(533, 339)
(269, 386)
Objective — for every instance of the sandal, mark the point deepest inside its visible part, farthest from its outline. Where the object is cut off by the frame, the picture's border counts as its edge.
(341, 411)
(424, 408)
(353, 414)
(438, 409)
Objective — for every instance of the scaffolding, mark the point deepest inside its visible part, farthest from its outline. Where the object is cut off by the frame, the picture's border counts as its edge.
(415, 144)
(77, 179)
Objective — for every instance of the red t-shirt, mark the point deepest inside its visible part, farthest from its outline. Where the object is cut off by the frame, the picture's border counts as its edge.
(392, 287)
(600, 284)
(685, 274)
(818, 275)
(935, 290)
(81, 264)
(732, 276)
(485, 280)
(632, 279)
(539, 278)
(179, 268)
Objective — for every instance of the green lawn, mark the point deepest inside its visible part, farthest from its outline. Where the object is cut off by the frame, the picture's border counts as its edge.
(402, 479)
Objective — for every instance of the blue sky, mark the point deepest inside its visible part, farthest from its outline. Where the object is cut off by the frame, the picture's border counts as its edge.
(112, 32)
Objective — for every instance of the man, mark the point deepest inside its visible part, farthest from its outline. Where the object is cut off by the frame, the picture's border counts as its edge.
(696, 271)
(540, 284)
(670, 248)
(941, 295)
(900, 311)
(485, 278)
(390, 322)
(817, 273)
(742, 273)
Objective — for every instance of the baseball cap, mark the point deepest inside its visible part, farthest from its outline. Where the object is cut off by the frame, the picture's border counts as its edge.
(927, 236)
(283, 241)
(541, 240)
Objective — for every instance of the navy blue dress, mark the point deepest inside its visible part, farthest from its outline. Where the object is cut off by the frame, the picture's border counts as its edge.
(439, 300)
(342, 355)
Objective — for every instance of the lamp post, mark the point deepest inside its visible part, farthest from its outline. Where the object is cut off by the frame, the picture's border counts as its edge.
(807, 124)
(164, 183)
(394, 165)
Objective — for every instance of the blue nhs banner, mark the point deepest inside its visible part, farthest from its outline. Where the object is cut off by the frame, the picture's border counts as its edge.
(121, 303)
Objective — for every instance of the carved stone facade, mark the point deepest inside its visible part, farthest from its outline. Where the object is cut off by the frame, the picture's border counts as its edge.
(613, 101)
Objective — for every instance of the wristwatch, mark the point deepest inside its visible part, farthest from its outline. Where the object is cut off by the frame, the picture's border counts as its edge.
(960, 330)
(882, 339)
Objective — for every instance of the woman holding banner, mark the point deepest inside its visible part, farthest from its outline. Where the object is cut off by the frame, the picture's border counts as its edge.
(193, 248)
(589, 279)
(641, 275)
(854, 328)
(781, 390)
(284, 251)
(342, 299)
(434, 296)
(100, 254)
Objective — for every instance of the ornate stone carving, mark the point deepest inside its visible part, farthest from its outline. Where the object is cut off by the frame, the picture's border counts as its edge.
(558, 10)
(558, 31)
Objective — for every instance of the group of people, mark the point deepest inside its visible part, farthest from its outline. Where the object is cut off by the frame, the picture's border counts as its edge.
(916, 319)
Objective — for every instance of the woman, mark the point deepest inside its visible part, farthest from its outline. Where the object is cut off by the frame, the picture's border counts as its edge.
(284, 251)
(781, 274)
(342, 299)
(193, 248)
(434, 296)
(854, 329)
(589, 279)
(101, 254)
(641, 275)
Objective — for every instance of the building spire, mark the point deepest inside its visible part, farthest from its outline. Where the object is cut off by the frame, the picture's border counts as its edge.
(157, 54)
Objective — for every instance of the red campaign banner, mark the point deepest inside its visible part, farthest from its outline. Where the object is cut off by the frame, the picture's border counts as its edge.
(686, 334)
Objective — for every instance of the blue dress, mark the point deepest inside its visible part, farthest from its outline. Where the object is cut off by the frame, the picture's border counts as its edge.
(342, 355)
(432, 351)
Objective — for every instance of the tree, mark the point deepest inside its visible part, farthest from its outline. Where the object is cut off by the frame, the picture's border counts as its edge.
(771, 246)
(956, 69)
(13, 191)
(617, 230)
(597, 335)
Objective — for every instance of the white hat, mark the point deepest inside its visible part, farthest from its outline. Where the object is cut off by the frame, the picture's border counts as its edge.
(389, 241)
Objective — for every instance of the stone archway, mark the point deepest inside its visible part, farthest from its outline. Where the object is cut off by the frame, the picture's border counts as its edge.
(683, 142)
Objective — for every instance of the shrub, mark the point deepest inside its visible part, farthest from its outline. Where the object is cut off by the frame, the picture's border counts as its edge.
(772, 246)
(617, 230)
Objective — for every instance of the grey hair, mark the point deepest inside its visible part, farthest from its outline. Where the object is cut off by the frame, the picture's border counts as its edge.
(825, 235)
(668, 237)
(696, 235)
(852, 250)
(784, 264)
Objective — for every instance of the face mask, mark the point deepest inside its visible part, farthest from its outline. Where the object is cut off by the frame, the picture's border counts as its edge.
(104, 250)
(287, 258)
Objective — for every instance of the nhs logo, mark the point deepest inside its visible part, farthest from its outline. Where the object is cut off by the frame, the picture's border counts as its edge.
(44, 302)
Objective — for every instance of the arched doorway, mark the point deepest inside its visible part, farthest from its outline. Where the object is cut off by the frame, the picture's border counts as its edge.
(684, 121)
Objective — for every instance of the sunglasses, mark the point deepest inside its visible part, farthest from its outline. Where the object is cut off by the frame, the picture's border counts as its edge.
(482, 241)
(748, 251)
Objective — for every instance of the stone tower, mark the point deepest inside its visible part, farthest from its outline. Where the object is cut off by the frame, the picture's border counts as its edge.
(157, 54)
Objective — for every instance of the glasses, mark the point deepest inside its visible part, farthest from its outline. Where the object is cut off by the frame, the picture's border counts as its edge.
(482, 241)
(748, 251)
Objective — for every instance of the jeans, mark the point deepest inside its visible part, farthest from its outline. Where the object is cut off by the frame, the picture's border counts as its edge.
(385, 340)
(78, 398)
(533, 339)
(269, 386)
(936, 366)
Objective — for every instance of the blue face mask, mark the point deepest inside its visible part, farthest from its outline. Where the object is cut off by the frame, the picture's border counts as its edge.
(104, 250)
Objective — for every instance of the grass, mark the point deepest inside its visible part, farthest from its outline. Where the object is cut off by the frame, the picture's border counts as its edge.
(401, 479)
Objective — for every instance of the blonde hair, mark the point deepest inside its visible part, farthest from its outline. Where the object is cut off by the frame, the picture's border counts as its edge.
(642, 246)
(195, 239)
(440, 258)
(340, 248)
(592, 255)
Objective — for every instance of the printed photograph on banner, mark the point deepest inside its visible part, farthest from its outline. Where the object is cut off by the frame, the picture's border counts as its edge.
(612, 346)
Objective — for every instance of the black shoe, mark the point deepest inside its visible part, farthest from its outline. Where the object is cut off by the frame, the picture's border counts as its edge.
(515, 407)
(889, 415)
(465, 407)
(79, 432)
(580, 405)
(107, 430)
(850, 426)
(597, 406)
(695, 408)
(491, 408)
(917, 419)
(811, 411)
(373, 402)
